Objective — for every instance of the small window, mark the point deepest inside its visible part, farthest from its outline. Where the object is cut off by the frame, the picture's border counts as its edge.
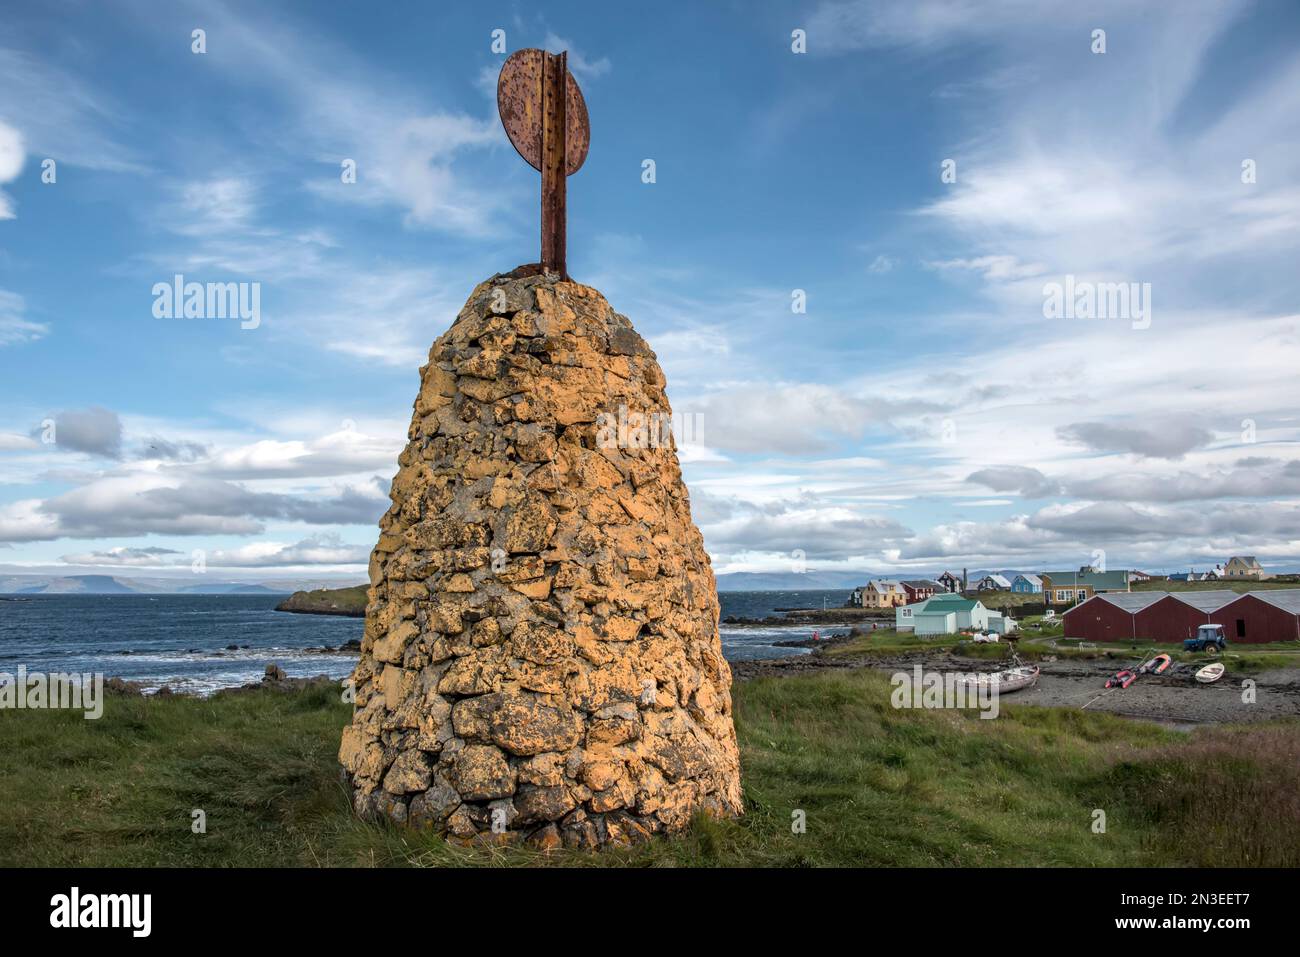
(1241, 627)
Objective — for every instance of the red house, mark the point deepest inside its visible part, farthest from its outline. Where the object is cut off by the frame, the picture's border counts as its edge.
(919, 590)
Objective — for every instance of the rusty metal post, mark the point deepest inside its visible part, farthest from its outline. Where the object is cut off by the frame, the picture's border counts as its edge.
(545, 116)
(555, 70)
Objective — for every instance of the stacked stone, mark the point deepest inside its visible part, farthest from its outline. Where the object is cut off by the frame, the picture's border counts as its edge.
(541, 657)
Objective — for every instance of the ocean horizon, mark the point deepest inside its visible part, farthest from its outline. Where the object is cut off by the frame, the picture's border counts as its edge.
(198, 644)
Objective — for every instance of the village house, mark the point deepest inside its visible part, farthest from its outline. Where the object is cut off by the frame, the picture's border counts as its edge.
(1244, 566)
(948, 614)
(1068, 588)
(993, 582)
(919, 589)
(879, 593)
(951, 583)
(1027, 585)
(1212, 575)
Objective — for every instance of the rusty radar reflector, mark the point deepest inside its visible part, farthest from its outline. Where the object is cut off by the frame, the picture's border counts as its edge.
(545, 117)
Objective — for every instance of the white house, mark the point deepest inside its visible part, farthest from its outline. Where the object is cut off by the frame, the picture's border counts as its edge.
(948, 614)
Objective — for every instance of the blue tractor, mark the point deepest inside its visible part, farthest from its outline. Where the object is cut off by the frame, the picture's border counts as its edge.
(1208, 638)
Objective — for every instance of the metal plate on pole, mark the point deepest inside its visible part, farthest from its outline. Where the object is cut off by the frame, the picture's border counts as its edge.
(520, 103)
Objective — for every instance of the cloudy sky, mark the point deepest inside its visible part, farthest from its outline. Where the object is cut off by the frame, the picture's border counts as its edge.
(921, 178)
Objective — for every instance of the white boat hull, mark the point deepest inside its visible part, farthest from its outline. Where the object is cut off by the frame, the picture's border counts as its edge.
(1013, 679)
(1210, 673)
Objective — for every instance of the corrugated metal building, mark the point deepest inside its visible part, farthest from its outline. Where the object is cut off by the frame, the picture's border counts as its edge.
(1249, 618)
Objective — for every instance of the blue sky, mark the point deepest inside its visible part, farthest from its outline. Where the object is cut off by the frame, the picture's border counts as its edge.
(922, 413)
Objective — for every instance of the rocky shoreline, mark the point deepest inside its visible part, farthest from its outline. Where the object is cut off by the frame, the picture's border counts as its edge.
(814, 616)
(274, 679)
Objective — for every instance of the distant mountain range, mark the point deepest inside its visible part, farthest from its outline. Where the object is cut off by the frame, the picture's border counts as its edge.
(813, 580)
(790, 581)
(114, 585)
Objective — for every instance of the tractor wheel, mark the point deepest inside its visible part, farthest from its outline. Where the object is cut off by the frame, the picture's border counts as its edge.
(1212, 649)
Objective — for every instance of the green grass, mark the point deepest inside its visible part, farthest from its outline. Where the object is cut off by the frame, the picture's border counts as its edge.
(1239, 658)
(888, 641)
(1005, 598)
(1236, 585)
(879, 786)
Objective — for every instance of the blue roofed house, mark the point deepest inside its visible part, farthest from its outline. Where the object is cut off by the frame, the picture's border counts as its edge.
(1027, 585)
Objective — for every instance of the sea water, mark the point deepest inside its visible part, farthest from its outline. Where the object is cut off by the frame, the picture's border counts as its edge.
(184, 641)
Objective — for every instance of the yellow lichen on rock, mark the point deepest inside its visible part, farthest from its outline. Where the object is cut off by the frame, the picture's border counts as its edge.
(541, 658)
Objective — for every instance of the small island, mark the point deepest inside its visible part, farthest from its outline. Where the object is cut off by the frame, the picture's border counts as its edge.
(349, 602)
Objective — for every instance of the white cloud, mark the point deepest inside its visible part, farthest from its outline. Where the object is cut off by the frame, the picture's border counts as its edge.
(11, 164)
(128, 557)
(789, 418)
(137, 503)
(185, 487)
(1165, 440)
(336, 107)
(95, 431)
(62, 117)
(317, 550)
(15, 327)
(579, 65)
(15, 443)
(324, 549)
(841, 26)
(346, 452)
(388, 316)
(216, 206)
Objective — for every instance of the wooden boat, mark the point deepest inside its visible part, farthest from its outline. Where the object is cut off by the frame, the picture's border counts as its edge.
(1155, 666)
(1122, 679)
(1000, 682)
(1210, 673)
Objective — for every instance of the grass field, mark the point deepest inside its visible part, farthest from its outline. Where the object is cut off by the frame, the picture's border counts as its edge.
(879, 786)
(1221, 585)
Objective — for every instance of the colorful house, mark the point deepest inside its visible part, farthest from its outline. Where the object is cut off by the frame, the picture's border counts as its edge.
(1244, 566)
(1027, 585)
(951, 583)
(882, 593)
(1069, 588)
(948, 614)
(920, 589)
(1194, 576)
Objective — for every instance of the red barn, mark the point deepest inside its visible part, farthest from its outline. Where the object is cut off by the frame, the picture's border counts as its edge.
(1171, 618)
(1259, 617)
(1168, 617)
(1108, 616)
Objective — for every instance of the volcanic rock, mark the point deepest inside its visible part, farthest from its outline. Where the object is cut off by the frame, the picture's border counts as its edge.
(541, 657)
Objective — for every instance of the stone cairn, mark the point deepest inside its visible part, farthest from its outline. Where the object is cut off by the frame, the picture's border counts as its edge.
(541, 658)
